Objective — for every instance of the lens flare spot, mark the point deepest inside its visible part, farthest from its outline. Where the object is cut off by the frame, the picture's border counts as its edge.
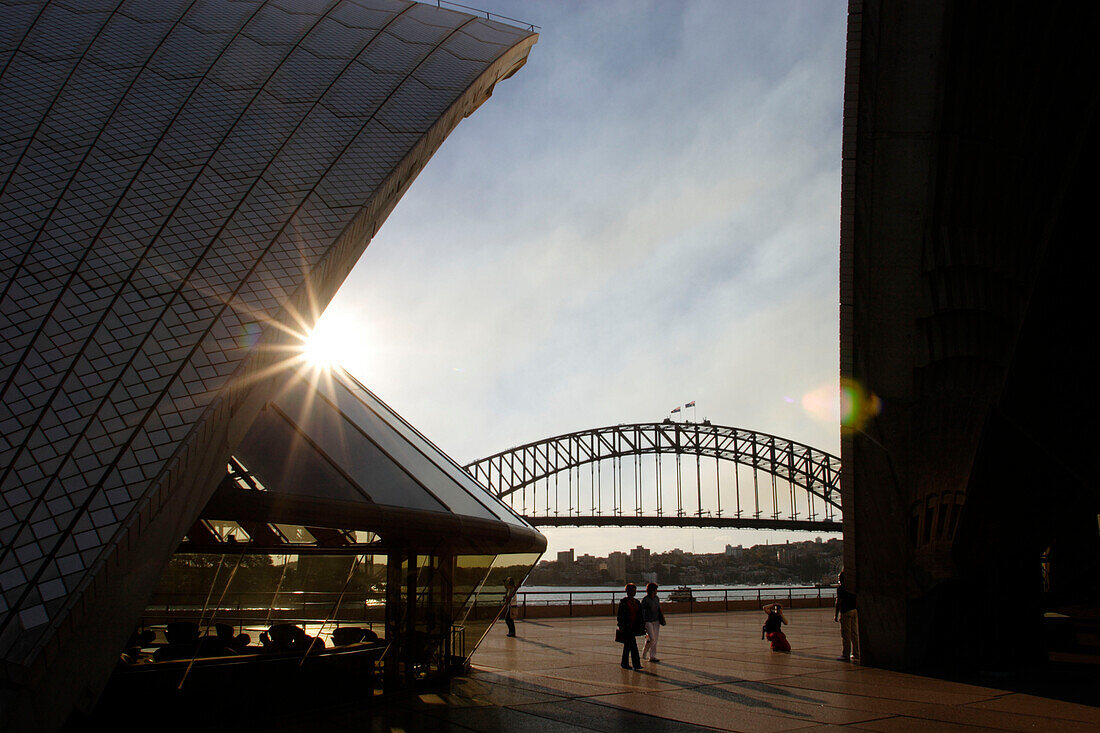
(249, 335)
(857, 405)
(851, 405)
(822, 403)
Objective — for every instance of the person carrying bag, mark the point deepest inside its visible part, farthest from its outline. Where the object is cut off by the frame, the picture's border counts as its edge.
(629, 625)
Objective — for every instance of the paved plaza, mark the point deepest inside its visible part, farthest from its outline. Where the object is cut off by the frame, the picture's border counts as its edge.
(715, 673)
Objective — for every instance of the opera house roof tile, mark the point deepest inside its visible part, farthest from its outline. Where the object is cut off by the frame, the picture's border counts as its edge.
(183, 186)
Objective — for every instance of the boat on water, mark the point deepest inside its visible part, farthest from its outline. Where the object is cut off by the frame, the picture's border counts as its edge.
(683, 593)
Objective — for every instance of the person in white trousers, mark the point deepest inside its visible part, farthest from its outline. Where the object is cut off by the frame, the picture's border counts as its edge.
(654, 620)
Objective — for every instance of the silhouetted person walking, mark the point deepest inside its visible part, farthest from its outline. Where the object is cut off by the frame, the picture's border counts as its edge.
(654, 620)
(630, 626)
(846, 613)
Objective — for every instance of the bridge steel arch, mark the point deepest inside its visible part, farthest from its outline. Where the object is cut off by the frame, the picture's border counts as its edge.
(510, 472)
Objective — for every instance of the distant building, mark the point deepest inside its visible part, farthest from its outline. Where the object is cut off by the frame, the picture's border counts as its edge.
(732, 551)
(616, 565)
(639, 557)
(565, 557)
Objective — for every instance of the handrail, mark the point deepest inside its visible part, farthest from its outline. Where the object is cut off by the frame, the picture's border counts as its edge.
(592, 597)
(298, 599)
(489, 16)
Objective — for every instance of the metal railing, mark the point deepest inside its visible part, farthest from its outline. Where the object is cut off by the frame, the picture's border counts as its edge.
(489, 16)
(611, 596)
(263, 600)
(252, 609)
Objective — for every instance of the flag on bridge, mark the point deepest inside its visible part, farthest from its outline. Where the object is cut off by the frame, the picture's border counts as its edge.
(690, 404)
(675, 409)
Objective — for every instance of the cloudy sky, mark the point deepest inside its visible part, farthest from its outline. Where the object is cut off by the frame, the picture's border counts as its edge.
(646, 214)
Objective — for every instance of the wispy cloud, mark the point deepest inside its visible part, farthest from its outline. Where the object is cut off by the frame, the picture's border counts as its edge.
(647, 213)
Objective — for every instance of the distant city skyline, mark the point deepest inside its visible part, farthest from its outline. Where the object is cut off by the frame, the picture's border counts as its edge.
(646, 216)
(815, 537)
(806, 561)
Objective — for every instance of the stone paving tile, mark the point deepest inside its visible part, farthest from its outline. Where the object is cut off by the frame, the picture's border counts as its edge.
(963, 714)
(469, 692)
(605, 677)
(1019, 703)
(360, 719)
(493, 720)
(966, 715)
(681, 671)
(589, 714)
(890, 678)
(893, 725)
(715, 673)
(564, 676)
(771, 700)
(652, 676)
(738, 673)
(615, 676)
(722, 717)
(554, 686)
(507, 678)
(961, 696)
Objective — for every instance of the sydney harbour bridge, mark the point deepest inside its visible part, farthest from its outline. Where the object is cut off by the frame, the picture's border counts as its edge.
(667, 474)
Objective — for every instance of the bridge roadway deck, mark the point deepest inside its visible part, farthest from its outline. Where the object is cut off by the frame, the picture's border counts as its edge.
(716, 673)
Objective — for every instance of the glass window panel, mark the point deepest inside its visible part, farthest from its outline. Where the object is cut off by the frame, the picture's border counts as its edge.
(432, 625)
(228, 531)
(253, 591)
(480, 578)
(287, 464)
(356, 392)
(347, 447)
(295, 534)
(413, 452)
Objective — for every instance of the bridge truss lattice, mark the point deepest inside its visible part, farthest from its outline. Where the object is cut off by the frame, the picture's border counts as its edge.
(583, 479)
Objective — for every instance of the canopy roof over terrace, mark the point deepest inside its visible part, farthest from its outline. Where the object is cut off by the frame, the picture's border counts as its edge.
(329, 455)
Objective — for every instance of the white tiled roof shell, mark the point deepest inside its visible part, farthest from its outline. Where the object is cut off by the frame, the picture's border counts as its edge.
(176, 179)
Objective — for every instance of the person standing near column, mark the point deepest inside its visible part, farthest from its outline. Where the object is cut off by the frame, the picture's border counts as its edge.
(510, 605)
(844, 612)
(654, 620)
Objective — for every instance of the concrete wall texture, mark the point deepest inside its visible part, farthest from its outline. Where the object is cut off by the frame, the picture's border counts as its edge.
(969, 139)
(183, 187)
